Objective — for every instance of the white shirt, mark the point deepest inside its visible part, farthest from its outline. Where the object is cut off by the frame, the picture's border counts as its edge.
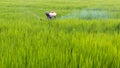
(52, 14)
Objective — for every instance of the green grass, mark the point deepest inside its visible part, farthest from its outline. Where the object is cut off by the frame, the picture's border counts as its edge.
(29, 40)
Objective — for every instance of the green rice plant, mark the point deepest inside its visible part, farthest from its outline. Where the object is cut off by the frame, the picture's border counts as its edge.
(29, 40)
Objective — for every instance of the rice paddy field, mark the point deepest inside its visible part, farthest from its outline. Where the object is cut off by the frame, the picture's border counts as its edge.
(85, 34)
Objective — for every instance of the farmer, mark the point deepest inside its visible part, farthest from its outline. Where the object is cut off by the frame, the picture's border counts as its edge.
(51, 15)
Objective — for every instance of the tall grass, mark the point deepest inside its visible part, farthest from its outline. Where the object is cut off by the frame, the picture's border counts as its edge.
(29, 40)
